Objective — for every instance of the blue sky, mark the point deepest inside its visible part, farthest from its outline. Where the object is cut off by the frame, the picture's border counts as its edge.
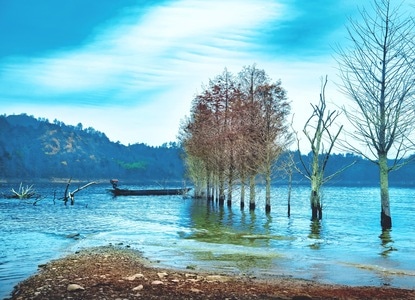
(131, 68)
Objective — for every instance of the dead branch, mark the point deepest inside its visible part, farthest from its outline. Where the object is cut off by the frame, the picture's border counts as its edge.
(71, 195)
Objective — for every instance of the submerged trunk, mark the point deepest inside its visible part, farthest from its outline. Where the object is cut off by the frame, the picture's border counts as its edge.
(243, 194)
(230, 188)
(251, 192)
(315, 201)
(221, 189)
(289, 195)
(316, 209)
(385, 213)
(268, 192)
(230, 179)
(209, 195)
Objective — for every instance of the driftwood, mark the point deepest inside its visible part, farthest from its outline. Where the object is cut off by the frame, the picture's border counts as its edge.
(23, 192)
(71, 195)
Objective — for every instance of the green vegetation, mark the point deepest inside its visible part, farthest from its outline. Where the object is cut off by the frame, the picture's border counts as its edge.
(138, 165)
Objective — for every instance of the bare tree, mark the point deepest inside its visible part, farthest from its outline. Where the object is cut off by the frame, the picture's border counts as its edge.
(251, 78)
(378, 76)
(317, 130)
(274, 136)
(71, 195)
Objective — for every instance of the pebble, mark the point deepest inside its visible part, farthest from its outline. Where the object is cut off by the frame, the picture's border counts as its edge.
(157, 282)
(138, 288)
(162, 275)
(134, 277)
(74, 287)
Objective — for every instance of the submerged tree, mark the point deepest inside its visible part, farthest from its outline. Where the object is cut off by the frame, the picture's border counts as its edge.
(251, 78)
(274, 136)
(236, 131)
(378, 76)
(317, 130)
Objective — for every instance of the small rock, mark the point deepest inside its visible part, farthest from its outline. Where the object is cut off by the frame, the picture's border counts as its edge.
(138, 288)
(134, 277)
(194, 290)
(74, 287)
(157, 282)
(73, 235)
(162, 275)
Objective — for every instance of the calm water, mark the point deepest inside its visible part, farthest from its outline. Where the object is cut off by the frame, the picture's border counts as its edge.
(347, 247)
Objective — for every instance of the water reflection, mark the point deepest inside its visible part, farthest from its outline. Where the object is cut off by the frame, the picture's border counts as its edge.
(315, 234)
(213, 223)
(386, 242)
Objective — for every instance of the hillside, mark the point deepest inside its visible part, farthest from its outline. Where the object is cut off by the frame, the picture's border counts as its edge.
(32, 149)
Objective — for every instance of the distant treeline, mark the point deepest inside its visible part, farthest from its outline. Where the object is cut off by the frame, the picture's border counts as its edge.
(33, 149)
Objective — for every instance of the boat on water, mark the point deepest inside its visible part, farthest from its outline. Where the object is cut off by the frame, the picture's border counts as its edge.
(116, 191)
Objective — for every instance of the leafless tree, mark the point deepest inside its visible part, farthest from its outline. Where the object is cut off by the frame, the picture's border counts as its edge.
(274, 134)
(318, 131)
(251, 78)
(378, 76)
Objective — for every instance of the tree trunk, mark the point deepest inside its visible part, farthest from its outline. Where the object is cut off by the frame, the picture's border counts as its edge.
(243, 193)
(289, 196)
(385, 214)
(230, 179)
(229, 198)
(230, 188)
(268, 192)
(316, 209)
(251, 192)
(221, 190)
(209, 196)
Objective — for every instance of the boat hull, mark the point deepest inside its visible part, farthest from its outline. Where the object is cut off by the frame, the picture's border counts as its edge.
(153, 192)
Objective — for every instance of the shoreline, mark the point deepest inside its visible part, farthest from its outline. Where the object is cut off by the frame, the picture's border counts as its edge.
(112, 272)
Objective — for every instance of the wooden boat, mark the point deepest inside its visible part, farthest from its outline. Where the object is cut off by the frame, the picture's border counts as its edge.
(149, 192)
(116, 191)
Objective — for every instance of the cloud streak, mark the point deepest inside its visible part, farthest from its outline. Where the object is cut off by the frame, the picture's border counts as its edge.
(152, 59)
(163, 48)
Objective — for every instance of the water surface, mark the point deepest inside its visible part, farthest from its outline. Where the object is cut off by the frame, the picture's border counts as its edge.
(347, 247)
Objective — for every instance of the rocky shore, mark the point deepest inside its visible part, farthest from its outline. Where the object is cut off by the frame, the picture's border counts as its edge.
(115, 273)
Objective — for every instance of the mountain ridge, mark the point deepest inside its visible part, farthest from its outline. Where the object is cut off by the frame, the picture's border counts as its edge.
(34, 149)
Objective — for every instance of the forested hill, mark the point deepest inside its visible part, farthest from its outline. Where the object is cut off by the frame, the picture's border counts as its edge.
(33, 149)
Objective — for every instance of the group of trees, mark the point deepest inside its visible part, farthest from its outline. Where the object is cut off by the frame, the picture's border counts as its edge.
(236, 131)
(237, 127)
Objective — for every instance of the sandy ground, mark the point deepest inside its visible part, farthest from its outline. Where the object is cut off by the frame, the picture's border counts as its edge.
(115, 273)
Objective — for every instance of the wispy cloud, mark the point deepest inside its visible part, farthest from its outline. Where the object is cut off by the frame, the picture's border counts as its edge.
(170, 44)
(154, 59)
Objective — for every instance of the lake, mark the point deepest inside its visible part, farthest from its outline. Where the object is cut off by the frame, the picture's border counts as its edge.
(346, 247)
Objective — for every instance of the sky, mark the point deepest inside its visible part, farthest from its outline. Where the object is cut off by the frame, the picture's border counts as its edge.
(131, 68)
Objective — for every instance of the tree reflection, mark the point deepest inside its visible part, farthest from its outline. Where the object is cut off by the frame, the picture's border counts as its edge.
(386, 242)
(315, 234)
